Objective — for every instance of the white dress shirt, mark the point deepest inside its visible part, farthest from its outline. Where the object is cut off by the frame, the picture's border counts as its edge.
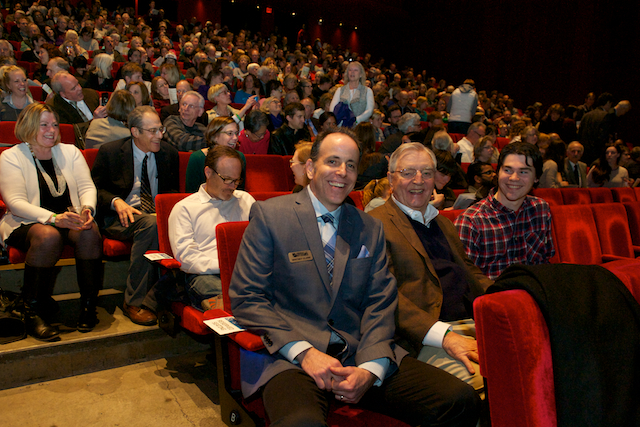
(192, 228)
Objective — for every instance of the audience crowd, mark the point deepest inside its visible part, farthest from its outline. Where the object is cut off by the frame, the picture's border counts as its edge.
(142, 89)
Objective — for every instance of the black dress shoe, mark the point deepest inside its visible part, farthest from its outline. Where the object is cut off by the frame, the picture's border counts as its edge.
(39, 329)
(87, 319)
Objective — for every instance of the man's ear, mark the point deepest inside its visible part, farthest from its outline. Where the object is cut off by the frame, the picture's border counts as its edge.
(309, 168)
(135, 132)
(207, 172)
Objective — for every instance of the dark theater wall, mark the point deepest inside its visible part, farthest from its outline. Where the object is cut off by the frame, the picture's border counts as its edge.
(545, 50)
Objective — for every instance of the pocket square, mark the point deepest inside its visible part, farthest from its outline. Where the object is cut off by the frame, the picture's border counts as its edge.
(364, 252)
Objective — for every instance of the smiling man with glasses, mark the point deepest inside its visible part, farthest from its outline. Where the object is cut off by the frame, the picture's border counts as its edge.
(183, 131)
(128, 174)
(436, 280)
(193, 221)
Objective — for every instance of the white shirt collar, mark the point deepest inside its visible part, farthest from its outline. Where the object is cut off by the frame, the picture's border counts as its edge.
(320, 209)
(429, 214)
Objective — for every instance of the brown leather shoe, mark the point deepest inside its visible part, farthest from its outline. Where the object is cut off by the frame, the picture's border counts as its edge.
(138, 315)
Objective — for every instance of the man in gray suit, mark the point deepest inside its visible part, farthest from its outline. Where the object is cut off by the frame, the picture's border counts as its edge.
(311, 278)
(575, 171)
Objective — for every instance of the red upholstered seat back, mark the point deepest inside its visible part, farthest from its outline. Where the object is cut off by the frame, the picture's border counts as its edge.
(264, 195)
(6, 133)
(452, 214)
(266, 173)
(356, 196)
(515, 359)
(613, 229)
(623, 194)
(575, 235)
(576, 196)
(90, 156)
(164, 204)
(456, 136)
(553, 196)
(633, 219)
(229, 236)
(67, 134)
(637, 191)
(628, 273)
(601, 195)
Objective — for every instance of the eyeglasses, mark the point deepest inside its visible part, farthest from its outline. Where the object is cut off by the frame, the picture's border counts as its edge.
(231, 133)
(293, 162)
(154, 131)
(189, 106)
(409, 173)
(227, 180)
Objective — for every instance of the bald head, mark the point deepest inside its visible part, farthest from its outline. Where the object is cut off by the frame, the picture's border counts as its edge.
(574, 152)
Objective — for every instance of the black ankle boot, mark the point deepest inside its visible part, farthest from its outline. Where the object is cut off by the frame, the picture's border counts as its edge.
(36, 283)
(90, 274)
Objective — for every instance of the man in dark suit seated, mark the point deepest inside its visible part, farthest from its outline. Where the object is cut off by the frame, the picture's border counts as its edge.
(74, 104)
(128, 174)
(575, 171)
(311, 278)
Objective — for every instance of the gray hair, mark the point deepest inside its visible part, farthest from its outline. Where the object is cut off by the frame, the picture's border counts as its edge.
(137, 116)
(411, 146)
(442, 141)
(103, 62)
(407, 120)
(197, 95)
(56, 81)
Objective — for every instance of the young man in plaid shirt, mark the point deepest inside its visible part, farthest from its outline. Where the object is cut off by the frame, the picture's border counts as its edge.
(509, 226)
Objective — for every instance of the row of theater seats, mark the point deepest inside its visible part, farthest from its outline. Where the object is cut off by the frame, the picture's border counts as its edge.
(267, 176)
(584, 234)
(591, 233)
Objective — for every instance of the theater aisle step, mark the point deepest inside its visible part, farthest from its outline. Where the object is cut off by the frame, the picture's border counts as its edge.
(115, 341)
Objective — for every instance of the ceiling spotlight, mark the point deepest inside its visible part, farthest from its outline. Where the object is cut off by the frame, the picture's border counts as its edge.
(257, 6)
(355, 28)
(340, 24)
(293, 14)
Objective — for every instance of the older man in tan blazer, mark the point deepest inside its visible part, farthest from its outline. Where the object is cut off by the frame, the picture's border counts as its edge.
(436, 280)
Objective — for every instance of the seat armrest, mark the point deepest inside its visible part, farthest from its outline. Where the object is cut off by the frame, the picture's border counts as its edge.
(168, 263)
(609, 257)
(246, 340)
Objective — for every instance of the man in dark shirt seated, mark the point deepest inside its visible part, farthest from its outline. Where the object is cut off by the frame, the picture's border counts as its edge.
(285, 138)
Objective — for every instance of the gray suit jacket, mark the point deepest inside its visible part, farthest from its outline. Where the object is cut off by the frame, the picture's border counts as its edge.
(567, 174)
(281, 290)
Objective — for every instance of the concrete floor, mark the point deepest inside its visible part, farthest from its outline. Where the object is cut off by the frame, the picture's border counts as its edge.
(176, 391)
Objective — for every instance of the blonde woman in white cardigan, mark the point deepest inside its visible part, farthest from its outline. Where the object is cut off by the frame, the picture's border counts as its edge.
(42, 183)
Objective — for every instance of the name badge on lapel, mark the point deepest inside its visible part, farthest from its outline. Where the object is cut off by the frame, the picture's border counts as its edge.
(300, 256)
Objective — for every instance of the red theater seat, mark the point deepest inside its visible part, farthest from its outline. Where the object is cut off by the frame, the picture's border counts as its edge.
(575, 235)
(266, 173)
(6, 133)
(633, 219)
(553, 196)
(601, 195)
(623, 194)
(613, 230)
(576, 196)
